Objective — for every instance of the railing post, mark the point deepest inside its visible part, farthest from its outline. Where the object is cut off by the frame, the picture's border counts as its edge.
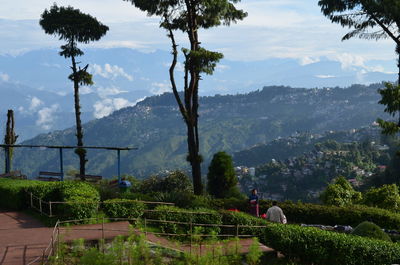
(145, 227)
(237, 230)
(40, 206)
(102, 228)
(191, 234)
(51, 212)
(58, 239)
(31, 200)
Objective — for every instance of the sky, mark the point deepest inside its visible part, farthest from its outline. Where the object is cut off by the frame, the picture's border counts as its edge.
(273, 29)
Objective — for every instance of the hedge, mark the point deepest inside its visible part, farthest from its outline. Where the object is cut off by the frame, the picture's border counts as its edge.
(116, 208)
(197, 216)
(13, 195)
(321, 214)
(82, 199)
(312, 245)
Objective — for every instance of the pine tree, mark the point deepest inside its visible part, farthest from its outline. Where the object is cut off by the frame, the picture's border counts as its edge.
(221, 178)
(74, 27)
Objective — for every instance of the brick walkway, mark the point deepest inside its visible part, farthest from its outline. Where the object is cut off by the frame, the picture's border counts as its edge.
(23, 238)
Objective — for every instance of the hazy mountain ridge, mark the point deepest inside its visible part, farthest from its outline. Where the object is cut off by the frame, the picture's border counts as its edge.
(231, 123)
(36, 86)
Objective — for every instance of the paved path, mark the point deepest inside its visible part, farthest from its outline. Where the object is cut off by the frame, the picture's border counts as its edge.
(23, 239)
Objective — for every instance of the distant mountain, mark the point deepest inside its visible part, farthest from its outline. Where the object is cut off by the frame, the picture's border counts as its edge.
(36, 86)
(231, 123)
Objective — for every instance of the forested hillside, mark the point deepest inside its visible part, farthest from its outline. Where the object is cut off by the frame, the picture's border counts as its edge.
(230, 123)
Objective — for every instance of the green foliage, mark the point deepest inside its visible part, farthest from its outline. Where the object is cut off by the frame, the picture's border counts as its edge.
(386, 197)
(371, 230)
(81, 198)
(255, 253)
(12, 193)
(118, 208)
(244, 219)
(391, 100)
(174, 182)
(308, 213)
(221, 177)
(333, 215)
(322, 247)
(71, 25)
(197, 216)
(340, 193)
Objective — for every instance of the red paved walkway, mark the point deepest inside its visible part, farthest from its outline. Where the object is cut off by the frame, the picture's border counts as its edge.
(23, 239)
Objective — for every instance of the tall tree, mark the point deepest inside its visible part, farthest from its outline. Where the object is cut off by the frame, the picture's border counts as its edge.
(221, 177)
(189, 16)
(73, 26)
(10, 138)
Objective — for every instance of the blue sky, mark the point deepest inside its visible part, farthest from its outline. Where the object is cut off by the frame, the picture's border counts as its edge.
(273, 29)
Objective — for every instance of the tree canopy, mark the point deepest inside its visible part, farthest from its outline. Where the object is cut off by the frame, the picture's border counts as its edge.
(221, 177)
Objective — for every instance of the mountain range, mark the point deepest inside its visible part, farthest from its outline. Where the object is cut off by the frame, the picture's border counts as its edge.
(231, 123)
(36, 86)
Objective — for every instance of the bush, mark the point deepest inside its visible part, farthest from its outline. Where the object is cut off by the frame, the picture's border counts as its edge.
(240, 218)
(386, 197)
(175, 182)
(221, 178)
(82, 199)
(117, 208)
(13, 195)
(371, 230)
(322, 247)
(340, 193)
(198, 216)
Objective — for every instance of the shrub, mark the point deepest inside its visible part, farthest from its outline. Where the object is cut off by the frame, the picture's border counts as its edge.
(340, 193)
(175, 182)
(322, 247)
(13, 195)
(198, 216)
(386, 197)
(82, 199)
(240, 218)
(117, 208)
(371, 230)
(221, 177)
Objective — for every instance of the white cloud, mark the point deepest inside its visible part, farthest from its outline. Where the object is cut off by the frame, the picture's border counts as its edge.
(106, 106)
(349, 61)
(109, 71)
(35, 104)
(309, 60)
(84, 90)
(325, 76)
(46, 117)
(4, 77)
(160, 88)
(104, 92)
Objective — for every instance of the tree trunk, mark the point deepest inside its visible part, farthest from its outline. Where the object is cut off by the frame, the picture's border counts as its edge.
(79, 131)
(194, 159)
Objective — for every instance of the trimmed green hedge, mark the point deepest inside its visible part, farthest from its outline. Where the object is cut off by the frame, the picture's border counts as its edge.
(197, 216)
(82, 199)
(322, 247)
(240, 218)
(321, 214)
(116, 208)
(12, 193)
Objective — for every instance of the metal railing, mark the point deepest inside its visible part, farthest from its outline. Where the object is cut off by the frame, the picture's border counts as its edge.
(53, 246)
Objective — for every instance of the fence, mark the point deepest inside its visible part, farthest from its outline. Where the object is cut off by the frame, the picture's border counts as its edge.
(197, 246)
(47, 208)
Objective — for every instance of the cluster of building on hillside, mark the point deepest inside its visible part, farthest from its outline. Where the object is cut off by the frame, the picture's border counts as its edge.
(316, 164)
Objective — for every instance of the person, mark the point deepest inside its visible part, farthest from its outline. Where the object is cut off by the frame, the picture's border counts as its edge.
(253, 199)
(275, 214)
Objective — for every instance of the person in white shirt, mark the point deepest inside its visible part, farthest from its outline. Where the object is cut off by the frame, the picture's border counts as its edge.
(275, 214)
